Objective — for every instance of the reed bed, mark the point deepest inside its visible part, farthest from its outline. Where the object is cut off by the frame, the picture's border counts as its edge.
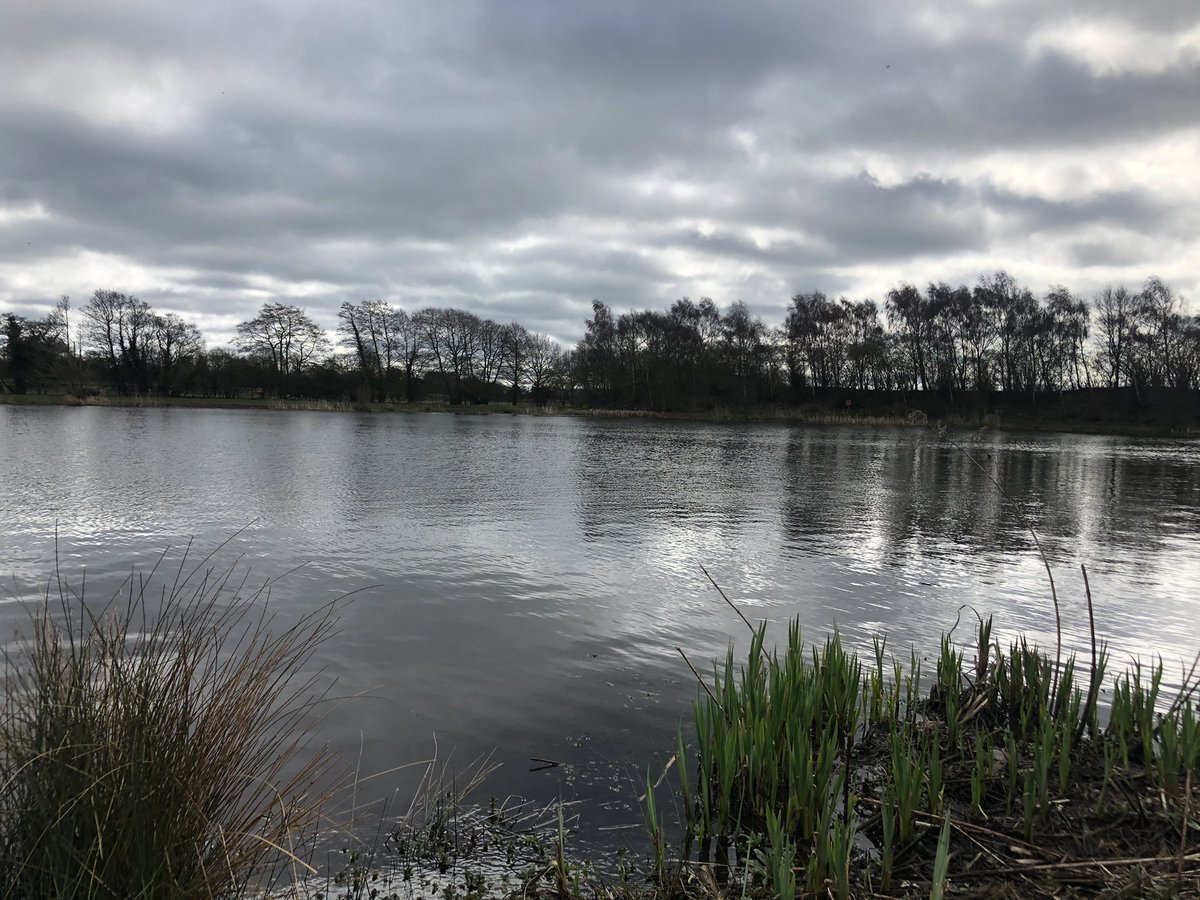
(159, 744)
(811, 772)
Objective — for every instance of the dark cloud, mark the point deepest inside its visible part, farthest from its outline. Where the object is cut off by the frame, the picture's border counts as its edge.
(1103, 253)
(522, 158)
(1129, 209)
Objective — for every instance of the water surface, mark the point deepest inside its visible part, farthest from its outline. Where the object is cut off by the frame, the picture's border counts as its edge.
(524, 582)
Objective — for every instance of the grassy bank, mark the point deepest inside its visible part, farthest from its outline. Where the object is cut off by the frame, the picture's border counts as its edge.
(254, 403)
(1092, 415)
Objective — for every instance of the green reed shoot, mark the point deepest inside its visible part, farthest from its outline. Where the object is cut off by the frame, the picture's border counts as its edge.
(657, 831)
(949, 668)
(829, 861)
(689, 816)
(878, 711)
(908, 764)
(780, 859)
(1066, 738)
(934, 762)
(1169, 759)
(563, 881)
(1043, 756)
(912, 685)
(941, 862)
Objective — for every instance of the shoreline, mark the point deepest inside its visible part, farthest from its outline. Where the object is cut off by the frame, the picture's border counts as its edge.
(784, 415)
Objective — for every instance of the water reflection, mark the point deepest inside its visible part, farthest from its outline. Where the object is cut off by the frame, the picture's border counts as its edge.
(530, 578)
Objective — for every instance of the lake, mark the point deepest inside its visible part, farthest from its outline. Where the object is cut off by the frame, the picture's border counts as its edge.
(523, 582)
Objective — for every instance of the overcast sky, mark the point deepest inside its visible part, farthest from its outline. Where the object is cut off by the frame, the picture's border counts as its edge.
(521, 158)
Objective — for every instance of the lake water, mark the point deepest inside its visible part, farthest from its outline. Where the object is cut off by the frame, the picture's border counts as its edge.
(525, 581)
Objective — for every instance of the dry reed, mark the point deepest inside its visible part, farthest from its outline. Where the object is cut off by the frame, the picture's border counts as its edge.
(160, 744)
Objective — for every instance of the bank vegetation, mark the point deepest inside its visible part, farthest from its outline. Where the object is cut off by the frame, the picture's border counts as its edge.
(963, 353)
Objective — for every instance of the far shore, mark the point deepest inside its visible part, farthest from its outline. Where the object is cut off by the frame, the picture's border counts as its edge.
(809, 414)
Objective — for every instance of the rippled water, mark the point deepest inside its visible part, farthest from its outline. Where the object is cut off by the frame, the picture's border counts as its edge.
(528, 580)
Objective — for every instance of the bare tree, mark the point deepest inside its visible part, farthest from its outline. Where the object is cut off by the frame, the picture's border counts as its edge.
(452, 336)
(544, 362)
(491, 353)
(514, 344)
(177, 342)
(369, 328)
(1117, 315)
(744, 345)
(284, 337)
(120, 328)
(906, 309)
(1070, 315)
(1158, 308)
(410, 347)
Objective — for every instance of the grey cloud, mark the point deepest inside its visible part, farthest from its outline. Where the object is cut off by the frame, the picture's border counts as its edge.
(1008, 103)
(387, 150)
(1086, 254)
(859, 219)
(1126, 208)
(737, 247)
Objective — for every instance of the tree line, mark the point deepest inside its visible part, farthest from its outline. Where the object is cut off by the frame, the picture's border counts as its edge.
(952, 340)
(119, 343)
(995, 337)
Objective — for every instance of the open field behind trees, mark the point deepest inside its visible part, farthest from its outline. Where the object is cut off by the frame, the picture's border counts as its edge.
(960, 353)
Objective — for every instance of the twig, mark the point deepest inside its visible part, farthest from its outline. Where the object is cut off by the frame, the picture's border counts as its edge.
(726, 599)
(665, 772)
(1186, 689)
(679, 650)
(1093, 684)
(978, 843)
(1007, 839)
(1081, 864)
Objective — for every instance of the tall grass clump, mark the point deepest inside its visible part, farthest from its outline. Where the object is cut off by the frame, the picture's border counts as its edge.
(159, 744)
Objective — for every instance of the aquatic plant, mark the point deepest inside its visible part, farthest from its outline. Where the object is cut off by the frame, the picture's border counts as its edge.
(803, 757)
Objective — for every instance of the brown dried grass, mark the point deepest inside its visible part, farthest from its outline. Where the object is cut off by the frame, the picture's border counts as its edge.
(161, 744)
